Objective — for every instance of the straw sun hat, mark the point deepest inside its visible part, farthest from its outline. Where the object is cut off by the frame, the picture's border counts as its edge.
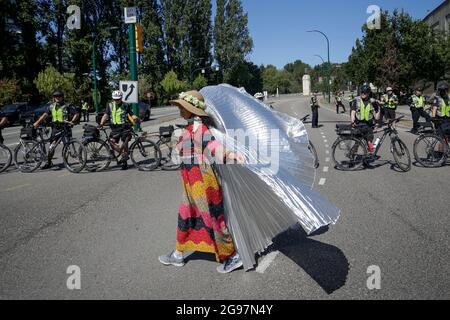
(193, 102)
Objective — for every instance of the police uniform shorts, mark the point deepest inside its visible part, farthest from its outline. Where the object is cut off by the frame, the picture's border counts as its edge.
(120, 133)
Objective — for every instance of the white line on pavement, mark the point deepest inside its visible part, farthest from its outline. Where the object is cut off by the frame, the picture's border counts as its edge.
(322, 181)
(327, 159)
(325, 169)
(265, 263)
(327, 146)
(18, 187)
(327, 152)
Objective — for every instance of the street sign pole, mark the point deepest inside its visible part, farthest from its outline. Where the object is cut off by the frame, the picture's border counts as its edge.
(133, 64)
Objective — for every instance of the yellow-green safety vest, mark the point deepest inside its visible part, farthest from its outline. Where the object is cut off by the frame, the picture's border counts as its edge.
(59, 113)
(418, 102)
(390, 103)
(364, 112)
(443, 109)
(118, 114)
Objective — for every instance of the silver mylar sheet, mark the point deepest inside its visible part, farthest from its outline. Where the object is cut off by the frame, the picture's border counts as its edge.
(261, 199)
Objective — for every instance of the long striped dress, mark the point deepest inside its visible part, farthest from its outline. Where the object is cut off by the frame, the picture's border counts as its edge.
(201, 221)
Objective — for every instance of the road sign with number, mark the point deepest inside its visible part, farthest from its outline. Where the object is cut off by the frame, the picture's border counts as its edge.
(129, 91)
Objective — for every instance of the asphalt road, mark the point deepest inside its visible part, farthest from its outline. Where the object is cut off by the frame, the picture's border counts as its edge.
(114, 225)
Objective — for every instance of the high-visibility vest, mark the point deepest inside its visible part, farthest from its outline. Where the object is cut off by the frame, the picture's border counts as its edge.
(85, 106)
(390, 102)
(59, 113)
(364, 112)
(118, 114)
(418, 102)
(443, 110)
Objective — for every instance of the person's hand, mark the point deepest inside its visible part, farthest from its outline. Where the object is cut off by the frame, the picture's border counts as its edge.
(353, 125)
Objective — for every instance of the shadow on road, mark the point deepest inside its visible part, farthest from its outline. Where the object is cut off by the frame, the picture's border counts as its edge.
(324, 263)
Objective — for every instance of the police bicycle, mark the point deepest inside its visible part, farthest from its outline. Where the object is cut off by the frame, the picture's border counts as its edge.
(432, 147)
(31, 150)
(350, 150)
(144, 153)
(167, 138)
(5, 157)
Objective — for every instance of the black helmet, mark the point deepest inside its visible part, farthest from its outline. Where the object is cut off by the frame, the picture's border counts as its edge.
(366, 89)
(443, 87)
(418, 89)
(58, 93)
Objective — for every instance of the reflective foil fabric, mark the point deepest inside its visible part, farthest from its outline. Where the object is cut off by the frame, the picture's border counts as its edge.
(272, 191)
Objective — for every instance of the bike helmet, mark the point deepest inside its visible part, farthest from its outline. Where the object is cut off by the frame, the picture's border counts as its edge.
(366, 89)
(443, 87)
(117, 95)
(389, 89)
(58, 93)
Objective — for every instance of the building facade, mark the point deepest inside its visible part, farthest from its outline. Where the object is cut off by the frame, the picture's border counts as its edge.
(439, 18)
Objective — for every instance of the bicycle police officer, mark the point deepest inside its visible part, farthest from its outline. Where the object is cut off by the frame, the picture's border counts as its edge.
(390, 103)
(441, 108)
(315, 109)
(64, 116)
(121, 118)
(417, 106)
(364, 110)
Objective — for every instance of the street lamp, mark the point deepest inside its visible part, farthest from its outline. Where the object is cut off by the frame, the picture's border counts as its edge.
(94, 67)
(329, 64)
(214, 68)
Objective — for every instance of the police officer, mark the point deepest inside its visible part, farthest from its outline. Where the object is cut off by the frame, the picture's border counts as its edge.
(85, 110)
(417, 106)
(64, 116)
(339, 96)
(315, 109)
(364, 110)
(119, 115)
(390, 103)
(441, 108)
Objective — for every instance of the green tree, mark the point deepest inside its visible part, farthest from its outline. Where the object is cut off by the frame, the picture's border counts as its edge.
(172, 86)
(247, 75)
(199, 82)
(9, 90)
(232, 41)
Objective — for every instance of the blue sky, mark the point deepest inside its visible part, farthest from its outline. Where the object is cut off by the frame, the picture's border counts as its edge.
(278, 28)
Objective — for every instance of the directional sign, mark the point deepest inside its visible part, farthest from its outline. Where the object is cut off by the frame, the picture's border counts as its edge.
(129, 91)
(130, 15)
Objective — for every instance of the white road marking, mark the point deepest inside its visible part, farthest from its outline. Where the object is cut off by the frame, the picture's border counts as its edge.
(327, 159)
(325, 141)
(265, 263)
(325, 169)
(18, 187)
(327, 152)
(322, 181)
(327, 146)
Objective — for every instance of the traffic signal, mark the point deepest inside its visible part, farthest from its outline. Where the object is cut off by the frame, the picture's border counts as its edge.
(139, 38)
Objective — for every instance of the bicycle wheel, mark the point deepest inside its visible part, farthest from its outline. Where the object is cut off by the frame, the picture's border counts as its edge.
(74, 156)
(145, 154)
(349, 154)
(28, 156)
(430, 151)
(401, 154)
(5, 157)
(98, 156)
(170, 159)
(314, 152)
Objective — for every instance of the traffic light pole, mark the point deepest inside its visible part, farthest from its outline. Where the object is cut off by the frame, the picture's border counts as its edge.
(133, 64)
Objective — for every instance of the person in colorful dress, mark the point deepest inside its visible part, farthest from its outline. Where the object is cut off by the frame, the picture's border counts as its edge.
(201, 219)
